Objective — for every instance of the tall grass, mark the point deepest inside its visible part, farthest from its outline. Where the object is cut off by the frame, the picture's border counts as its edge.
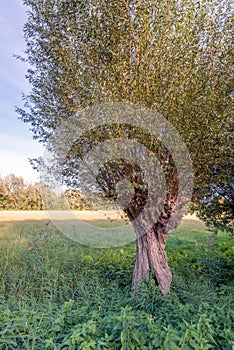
(56, 294)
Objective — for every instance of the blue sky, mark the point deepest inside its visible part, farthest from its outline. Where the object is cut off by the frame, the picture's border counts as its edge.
(16, 143)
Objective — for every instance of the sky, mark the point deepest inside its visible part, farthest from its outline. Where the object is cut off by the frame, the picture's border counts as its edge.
(16, 140)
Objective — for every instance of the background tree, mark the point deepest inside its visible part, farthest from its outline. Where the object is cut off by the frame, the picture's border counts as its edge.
(15, 194)
(173, 57)
(216, 208)
(4, 194)
(32, 197)
(74, 199)
(12, 192)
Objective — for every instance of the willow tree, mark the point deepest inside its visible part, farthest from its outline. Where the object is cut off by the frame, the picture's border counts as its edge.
(173, 57)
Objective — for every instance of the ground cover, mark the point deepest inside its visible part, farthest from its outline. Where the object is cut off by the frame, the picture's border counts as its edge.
(57, 294)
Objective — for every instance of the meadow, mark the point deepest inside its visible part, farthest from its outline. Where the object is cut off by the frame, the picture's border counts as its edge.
(57, 294)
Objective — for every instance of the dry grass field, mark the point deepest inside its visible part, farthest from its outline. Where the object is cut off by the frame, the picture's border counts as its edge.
(37, 215)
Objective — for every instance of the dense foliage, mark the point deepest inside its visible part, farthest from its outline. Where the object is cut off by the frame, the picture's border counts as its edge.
(217, 207)
(174, 57)
(56, 294)
(15, 194)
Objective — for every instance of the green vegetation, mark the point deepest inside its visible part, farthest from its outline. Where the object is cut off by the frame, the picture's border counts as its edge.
(15, 194)
(56, 294)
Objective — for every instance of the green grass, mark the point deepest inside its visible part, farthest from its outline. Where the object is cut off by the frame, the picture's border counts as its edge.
(56, 294)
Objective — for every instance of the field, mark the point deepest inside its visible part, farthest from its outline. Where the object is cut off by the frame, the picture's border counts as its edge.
(57, 294)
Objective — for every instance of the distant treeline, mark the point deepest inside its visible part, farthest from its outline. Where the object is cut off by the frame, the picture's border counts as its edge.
(15, 194)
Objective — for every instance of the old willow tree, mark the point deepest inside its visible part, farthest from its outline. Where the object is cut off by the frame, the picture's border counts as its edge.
(173, 57)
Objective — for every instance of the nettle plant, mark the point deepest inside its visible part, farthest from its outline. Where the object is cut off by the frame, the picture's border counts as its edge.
(171, 57)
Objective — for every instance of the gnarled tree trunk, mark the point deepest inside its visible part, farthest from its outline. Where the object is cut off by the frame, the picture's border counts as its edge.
(151, 216)
(151, 255)
(150, 246)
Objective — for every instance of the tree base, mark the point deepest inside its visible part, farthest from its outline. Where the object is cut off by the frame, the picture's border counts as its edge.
(151, 255)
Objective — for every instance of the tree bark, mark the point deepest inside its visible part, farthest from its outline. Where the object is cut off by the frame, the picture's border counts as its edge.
(151, 255)
(150, 245)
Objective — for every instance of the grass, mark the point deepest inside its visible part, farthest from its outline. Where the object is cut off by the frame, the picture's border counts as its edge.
(57, 294)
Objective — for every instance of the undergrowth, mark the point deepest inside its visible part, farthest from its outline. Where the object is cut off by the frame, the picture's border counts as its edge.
(56, 294)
